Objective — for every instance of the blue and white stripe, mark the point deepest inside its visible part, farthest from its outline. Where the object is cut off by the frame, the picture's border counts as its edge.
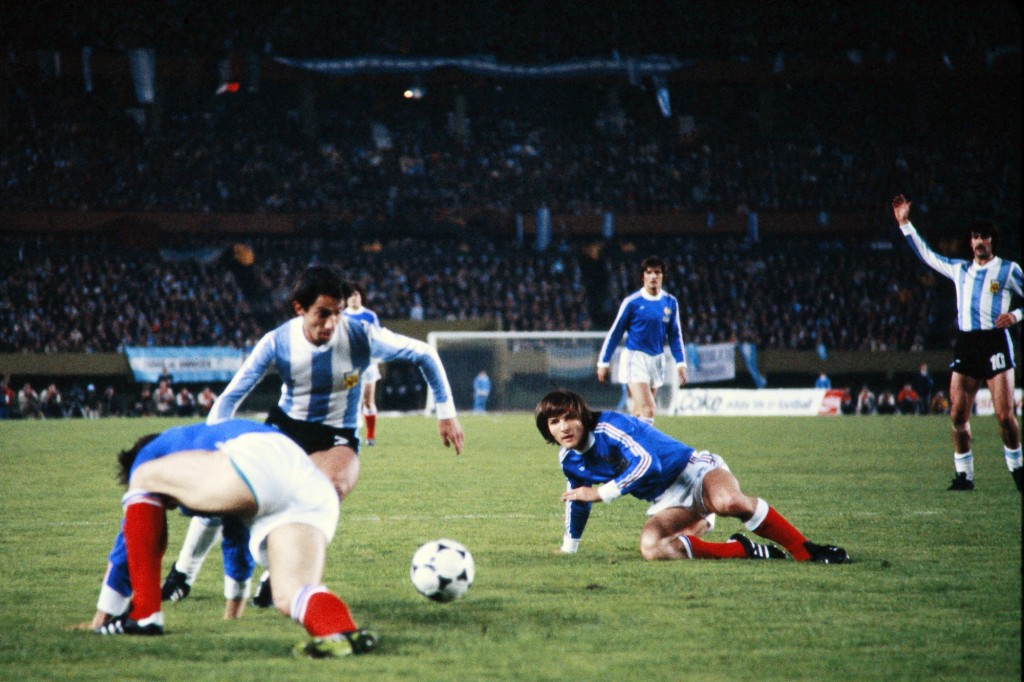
(321, 384)
(983, 292)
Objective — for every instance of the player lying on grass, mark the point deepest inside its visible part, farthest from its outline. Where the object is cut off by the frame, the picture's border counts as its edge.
(605, 455)
(235, 468)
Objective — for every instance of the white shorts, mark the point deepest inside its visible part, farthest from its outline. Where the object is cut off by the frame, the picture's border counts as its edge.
(372, 373)
(688, 490)
(637, 367)
(287, 486)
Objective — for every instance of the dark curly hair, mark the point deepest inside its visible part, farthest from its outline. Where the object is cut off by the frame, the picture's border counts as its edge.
(126, 458)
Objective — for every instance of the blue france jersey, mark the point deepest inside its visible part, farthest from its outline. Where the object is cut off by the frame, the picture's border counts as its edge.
(197, 437)
(983, 292)
(639, 459)
(647, 321)
(321, 384)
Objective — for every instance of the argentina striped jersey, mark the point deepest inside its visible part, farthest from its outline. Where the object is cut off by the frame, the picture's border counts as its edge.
(321, 384)
(983, 292)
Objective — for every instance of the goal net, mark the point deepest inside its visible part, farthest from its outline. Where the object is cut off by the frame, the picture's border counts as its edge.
(523, 366)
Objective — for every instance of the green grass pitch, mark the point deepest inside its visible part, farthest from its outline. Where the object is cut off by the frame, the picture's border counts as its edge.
(934, 592)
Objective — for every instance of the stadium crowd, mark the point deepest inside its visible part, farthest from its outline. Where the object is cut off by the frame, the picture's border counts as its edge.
(89, 294)
(571, 152)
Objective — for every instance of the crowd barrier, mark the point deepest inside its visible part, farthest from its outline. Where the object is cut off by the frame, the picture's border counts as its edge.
(799, 402)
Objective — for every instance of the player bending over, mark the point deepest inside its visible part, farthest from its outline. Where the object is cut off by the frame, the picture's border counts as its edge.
(605, 455)
(235, 468)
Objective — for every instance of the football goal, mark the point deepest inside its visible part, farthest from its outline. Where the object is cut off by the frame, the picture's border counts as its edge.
(523, 366)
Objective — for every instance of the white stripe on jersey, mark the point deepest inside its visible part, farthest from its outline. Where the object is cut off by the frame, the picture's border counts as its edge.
(982, 292)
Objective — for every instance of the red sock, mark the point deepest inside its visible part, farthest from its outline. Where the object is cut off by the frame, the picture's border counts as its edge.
(326, 614)
(371, 426)
(713, 550)
(145, 539)
(776, 528)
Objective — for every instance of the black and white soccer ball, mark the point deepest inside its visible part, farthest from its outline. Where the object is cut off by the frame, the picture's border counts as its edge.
(442, 570)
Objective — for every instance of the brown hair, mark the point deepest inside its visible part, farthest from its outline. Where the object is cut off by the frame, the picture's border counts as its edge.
(561, 402)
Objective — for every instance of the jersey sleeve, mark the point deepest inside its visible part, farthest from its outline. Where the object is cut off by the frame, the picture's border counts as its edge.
(675, 335)
(386, 345)
(245, 379)
(945, 266)
(640, 465)
(576, 516)
(1014, 283)
(238, 563)
(614, 337)
(116, 590)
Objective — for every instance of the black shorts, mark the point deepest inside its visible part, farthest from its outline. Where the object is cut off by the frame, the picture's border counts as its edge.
(982, 354)
(310, 436)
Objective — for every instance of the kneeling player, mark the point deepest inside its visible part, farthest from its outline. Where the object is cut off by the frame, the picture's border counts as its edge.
(605, 455)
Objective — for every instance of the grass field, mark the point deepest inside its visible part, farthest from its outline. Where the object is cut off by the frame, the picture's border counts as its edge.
(934, 591)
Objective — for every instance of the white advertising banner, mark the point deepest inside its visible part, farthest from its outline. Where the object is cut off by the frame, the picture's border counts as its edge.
(983, 402)
(797, 402)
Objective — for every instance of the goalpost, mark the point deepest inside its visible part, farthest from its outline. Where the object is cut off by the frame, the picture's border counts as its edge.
(523, 366)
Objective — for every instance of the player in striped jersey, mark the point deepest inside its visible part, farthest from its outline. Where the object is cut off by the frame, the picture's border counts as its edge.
(605, 455)
(983, 352)
(355, 310)
(646, 317)
(321, 356)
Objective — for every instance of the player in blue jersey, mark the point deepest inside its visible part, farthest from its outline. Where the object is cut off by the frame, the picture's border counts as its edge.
(355, 310)
(605, 455)
(983, 352)
(240, 469)
(648, 318)
(321, 356)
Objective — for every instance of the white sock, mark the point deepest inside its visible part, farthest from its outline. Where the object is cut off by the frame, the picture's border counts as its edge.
(964, 464)
(1014, 460)
(202, 533)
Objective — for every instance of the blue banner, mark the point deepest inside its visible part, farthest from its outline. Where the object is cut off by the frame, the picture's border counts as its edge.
(187, 365)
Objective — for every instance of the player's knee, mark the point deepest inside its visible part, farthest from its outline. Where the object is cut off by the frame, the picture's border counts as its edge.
(650, 545)
(732, 504)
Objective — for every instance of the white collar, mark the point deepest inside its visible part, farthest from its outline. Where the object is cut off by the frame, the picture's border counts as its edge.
(643, 292)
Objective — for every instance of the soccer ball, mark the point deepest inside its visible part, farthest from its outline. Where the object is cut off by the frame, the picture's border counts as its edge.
(442, 570)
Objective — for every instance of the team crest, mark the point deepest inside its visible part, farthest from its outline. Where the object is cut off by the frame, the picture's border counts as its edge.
(668, 314)
(350, 380)
(993, 287)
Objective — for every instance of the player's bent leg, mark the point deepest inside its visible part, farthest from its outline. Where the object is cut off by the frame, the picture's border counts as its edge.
(721, 494)
(341, 466)
(659, 538)
(295, 554)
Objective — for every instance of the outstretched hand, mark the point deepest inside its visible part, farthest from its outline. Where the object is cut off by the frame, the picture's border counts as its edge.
(901, 209)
